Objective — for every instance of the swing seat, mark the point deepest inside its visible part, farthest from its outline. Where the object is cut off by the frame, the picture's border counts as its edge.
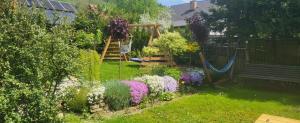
(136, 60)
(125, 48)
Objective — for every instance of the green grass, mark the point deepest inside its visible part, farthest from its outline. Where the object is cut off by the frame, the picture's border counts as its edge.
(234, 105)
(231, 105)
(110, 70)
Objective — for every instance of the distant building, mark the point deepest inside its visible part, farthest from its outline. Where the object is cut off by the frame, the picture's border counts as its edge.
(56, 12)
(182, 11)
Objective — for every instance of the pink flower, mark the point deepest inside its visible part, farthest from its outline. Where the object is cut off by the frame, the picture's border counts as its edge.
(138, 91)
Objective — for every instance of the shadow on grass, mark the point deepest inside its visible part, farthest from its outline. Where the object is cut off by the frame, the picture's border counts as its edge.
(133, 65)
(236, 91)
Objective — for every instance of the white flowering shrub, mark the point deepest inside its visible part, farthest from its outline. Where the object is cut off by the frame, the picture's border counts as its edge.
(155, 84)
(96, 96)
(164, 18)
(66, 84)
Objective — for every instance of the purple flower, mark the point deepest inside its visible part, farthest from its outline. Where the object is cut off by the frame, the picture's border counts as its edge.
(186, 77)
(196, 76)
(138, 91)
(192, 77)
(170, 83)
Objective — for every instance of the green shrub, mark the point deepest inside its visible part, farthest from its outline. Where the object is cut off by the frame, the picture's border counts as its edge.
(150, 51)
(117, 95)
(167, 96)
(90, 61)
(20, 103)
(171, 42)
(173, 72)
(85, 40)
(72, 118)
(78, 100)
(34, 58)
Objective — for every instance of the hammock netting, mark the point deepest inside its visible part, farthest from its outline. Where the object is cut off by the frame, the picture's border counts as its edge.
(220, 72)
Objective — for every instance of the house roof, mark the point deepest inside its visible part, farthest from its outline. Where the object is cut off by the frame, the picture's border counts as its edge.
(182, 11)
(56, 12)
(50, 5)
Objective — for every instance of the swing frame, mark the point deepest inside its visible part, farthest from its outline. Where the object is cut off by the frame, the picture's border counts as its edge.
(154, 31)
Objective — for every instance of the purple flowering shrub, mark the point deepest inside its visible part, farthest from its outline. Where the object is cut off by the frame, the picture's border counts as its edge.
(170, 83)
(193, 77)
(138, 91)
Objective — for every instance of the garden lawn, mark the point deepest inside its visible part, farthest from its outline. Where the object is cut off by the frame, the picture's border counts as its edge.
(110, 70)
(234, 105)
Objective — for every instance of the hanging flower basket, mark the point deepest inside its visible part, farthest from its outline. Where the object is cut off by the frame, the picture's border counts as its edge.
(119, 29)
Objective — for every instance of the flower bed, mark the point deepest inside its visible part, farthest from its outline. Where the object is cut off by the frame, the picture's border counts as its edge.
(117, 95)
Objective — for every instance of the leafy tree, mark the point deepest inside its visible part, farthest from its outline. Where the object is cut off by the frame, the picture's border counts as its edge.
(263, 19)
(33, 61)
(171, 42)
(128, 9)
(132, 9)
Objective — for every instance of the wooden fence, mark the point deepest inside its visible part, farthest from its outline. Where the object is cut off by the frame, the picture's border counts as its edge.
(255, 52)
(274, 52)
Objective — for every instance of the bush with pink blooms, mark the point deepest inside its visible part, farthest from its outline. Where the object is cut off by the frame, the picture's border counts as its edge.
(138, 91)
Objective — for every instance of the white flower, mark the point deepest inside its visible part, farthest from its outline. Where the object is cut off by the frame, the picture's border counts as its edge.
(66, 83)
(155, 84)
(96, 95)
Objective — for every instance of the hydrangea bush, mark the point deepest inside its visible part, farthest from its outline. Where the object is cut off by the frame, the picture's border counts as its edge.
(193, 77)
(96, 96)
(170, 84)
(138, 91)
(155, 84)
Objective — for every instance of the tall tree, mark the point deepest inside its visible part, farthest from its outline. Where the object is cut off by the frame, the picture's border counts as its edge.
(260, 19)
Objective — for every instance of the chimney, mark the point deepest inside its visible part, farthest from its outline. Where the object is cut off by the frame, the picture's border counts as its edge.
(193, 4)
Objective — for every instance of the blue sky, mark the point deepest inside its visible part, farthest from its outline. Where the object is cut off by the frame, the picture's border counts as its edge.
(172, 2)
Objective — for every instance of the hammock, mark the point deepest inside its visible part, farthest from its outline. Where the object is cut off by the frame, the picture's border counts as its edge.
(224, 70)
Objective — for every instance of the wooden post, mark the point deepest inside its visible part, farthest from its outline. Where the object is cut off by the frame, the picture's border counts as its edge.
(202, 58)
(247, 53)
(157, 30)
(125, 57)
(151, 37)
(105, 49)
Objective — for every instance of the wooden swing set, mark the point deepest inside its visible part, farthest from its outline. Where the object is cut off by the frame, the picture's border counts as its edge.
(111, 50)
